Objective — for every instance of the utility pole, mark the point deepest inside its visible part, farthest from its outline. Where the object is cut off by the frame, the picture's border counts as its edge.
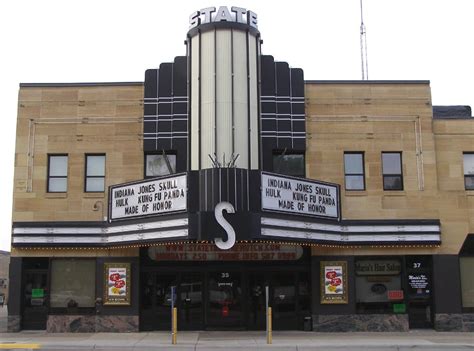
(363, 46)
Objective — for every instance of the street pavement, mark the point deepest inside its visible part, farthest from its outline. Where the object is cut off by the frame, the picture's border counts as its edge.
(235, 340)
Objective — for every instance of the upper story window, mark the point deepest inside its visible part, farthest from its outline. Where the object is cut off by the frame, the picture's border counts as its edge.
(469, 170)
(159, 165)
(95, 173)
(291, 164)
(354, 173)
(392, 171)
(57, 173)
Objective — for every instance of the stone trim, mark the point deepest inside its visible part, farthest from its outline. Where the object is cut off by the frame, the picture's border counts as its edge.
(92, 324)
(458, 322)
(361, 323)
(13, 324)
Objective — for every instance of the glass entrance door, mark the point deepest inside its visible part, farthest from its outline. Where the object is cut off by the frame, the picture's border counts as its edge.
(155, 300)
(256, 301)
(35, 300)
(418, 270)
(283, 300)
(190, 301)
(225, 300)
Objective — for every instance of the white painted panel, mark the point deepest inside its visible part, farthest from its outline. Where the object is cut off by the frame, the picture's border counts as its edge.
(351, 228)
(195, 102)
(240, 99)
(208, 98)
(224, 96)
(97, 230)
(59, 240)
(294, 234)
(148, 236)
(254, 120)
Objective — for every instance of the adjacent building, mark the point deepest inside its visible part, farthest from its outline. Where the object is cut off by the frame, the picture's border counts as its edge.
(226, 172)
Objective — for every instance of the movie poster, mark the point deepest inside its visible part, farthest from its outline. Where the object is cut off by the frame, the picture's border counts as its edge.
(334, 282)
(117, 284)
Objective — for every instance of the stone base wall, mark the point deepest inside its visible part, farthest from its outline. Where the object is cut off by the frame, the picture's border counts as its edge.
(13, 324)
(92, 324)
(361, 323)
(463, 322)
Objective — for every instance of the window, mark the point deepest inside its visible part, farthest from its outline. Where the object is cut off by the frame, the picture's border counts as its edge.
(95, 173)
(469, 170)
(160, 165)
(374, 279)
(57, 173)
(354, 170)
(466, 265)
(73, 283)
(291, 164)
(392, 171)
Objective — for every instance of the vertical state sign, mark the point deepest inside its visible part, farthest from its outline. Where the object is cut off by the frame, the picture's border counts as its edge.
(300, 196)
(151, 197)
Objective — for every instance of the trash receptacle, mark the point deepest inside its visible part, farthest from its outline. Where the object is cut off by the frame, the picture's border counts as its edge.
(308, 323)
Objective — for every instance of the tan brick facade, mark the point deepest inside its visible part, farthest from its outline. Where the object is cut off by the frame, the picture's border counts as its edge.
(75, 120)
(373, 118)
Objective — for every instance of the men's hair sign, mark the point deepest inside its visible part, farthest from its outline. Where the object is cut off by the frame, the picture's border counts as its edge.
(236, 14)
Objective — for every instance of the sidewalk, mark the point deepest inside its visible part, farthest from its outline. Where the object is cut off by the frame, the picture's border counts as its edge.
(235, 340)
(244, 340)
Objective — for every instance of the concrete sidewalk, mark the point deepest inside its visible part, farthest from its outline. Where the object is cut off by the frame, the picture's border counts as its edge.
(235, 340)
(242, 340)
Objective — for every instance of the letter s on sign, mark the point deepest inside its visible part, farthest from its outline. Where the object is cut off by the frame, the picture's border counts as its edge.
(220, 207)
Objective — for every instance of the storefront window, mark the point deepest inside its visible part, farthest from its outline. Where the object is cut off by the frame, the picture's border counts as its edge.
(467, 281)
(378, 285)
(73, 283)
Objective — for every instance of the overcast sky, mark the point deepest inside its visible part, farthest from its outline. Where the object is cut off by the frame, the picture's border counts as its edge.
(110, 41)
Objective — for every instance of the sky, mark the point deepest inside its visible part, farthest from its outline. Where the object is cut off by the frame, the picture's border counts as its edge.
(52, 41)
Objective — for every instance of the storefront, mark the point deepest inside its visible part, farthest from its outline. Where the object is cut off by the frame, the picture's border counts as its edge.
(225, 292)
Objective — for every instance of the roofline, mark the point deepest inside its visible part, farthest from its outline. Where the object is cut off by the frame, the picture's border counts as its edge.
(93, 84)
(367, 82)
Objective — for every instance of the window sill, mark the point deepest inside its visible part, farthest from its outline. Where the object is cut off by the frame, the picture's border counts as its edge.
(394, 193)
(355, 193)
(56, 195)
(94, 195)
(469, 192)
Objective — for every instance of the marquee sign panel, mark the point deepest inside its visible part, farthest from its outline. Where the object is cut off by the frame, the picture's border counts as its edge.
(300, 196)
(152, 197)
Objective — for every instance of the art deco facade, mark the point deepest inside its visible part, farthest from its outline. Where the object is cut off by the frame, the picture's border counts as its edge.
(353, 201)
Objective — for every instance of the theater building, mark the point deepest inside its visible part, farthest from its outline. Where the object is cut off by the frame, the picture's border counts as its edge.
(224, 172)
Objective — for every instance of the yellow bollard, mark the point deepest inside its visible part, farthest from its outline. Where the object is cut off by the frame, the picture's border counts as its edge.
(174, 326)
(269, 325)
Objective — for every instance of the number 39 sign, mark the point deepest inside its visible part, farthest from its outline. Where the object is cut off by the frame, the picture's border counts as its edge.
(117, 284)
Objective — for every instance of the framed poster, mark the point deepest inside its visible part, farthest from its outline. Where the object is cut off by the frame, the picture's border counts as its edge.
(117, 283)
(333, 282)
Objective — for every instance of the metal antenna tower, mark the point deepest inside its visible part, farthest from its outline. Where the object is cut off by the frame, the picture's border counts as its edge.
(363, 46)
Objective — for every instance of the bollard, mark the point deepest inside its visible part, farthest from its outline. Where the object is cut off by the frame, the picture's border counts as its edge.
(174, 326)
(269, 325)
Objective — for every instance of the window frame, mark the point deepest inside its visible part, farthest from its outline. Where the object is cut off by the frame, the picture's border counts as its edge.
(159, 153)
(278, 152)
(466, 176)
(354, 174)
(86, 177)
(49, 176)
(384, 175)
